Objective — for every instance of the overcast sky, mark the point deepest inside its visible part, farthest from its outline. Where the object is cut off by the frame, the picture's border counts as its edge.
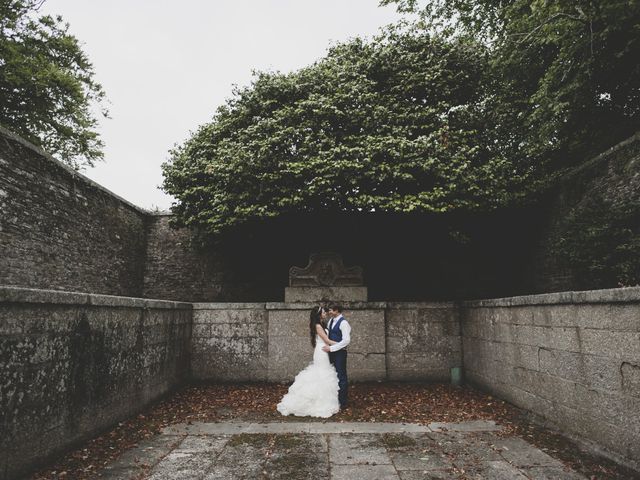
(166, 65)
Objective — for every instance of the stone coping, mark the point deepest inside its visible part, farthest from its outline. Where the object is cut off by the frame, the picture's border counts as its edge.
(228, 306)
(318, 426)
(419, 305)
(612, 295)
(310, 305)
(10, 294)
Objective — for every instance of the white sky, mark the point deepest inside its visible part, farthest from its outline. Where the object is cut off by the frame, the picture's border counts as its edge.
(166, 65)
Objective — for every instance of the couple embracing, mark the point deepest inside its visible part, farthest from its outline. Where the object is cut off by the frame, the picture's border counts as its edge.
(320, 390)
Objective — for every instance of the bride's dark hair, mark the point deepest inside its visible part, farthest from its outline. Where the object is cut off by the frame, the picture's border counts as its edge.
(315, 318)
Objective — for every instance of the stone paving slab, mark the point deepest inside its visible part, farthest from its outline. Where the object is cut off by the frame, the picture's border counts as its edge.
(359, 448)
(336, 451)
(518, 452)
(470, 426)
(234, 428)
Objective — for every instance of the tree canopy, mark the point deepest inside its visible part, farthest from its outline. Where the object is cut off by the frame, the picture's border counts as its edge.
(468, 105)
(569, 71)
(396, 124)
(47, 89)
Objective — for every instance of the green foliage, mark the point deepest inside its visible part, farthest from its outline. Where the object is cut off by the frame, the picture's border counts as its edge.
(600, 243)
(569, 71)
(568, 87)
(46, 84)
(397, 124)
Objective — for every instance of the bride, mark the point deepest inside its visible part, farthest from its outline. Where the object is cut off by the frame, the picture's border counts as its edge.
(314, 392)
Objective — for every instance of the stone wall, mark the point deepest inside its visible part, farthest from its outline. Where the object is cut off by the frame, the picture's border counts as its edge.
(572, 358)
(179, 268)
(75, 364)
(174, 269)
(423, 341)
(588, 226)
(230, 342)
(59, 230)
(270, 342)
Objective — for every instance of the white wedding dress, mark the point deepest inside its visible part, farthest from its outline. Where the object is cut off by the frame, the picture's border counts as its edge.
(314, 392)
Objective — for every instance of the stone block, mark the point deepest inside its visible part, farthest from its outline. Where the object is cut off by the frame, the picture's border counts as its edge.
(549, 387)
(505, 332)
(287, 357)
(419, 462)
(367, 331)
(408, 325)
(475, 328)
(555, 315)
(588, 370)
(623, 316)
(495, 470)
(615, 408)
(201, 330)
(214, 366)
(325, 294)
(526, 400)
(289, 323)
(517, 315)
(238, 330)
(425, 345)
(560, 338)
(229, 316)
(525, 356)
(623, 345)
(370, 472)
(521, 453)
(366, 367)
(421, 367)
(361, 449)
(552, 473)
(616, 316)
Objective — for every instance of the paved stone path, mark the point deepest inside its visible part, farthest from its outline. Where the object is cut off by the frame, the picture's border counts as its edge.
(337, 451)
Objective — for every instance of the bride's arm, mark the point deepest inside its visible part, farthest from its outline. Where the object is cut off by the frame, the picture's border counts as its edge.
(323, 335)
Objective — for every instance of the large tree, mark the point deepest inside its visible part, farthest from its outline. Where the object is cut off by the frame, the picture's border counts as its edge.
(48, 93)
(396, 124)
(568, 70)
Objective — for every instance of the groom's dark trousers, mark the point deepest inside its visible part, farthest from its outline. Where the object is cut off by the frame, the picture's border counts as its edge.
(339, 361)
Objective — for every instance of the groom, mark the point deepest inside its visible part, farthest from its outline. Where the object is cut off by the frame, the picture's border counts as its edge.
(339, 331)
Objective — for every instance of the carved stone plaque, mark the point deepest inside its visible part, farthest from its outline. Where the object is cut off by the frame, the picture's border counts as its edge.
(325, 270)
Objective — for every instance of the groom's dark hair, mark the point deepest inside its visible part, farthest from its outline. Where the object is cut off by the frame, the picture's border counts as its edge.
(336, 308)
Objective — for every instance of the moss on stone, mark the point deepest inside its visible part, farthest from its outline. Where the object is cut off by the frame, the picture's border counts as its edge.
(251, 439)
(397, 440)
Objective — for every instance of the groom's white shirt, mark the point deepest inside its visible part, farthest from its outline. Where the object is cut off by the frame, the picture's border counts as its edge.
(345, 328)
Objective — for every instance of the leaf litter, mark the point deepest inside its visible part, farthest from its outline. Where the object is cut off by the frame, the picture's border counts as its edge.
(369, 402)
